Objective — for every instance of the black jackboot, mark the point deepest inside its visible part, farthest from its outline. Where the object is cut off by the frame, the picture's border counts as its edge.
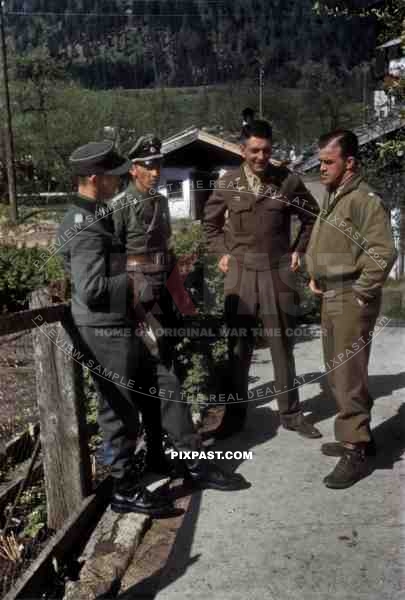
(131, 498)
(207, 475)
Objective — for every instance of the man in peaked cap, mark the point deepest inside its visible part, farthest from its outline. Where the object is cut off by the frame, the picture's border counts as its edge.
(102, 297)
(142, 223)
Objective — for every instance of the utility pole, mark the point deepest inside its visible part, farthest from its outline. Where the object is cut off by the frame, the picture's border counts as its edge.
(365, 104)
(261, 86)
(7, 130)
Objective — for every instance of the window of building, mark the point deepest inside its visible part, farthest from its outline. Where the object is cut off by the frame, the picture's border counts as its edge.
(175, 189)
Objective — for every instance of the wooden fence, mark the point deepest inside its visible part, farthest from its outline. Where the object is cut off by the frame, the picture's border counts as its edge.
(60, 396)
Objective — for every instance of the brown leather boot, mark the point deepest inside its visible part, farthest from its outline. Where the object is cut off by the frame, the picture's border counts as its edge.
(302, 427)
(352, 467)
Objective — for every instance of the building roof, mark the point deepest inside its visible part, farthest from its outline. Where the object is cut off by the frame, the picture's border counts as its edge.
(394, 42)
(193, 134)
(195, 147)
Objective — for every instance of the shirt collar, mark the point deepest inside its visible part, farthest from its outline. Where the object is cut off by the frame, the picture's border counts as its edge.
(348, 185)
(254, 182)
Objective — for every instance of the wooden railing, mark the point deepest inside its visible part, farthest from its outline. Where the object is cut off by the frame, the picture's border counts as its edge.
(60, 397)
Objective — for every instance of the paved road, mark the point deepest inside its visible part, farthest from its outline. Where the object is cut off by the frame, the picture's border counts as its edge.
(288, 537)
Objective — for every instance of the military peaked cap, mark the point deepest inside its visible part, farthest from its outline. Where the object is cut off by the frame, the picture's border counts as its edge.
(147, 148)
(98, 158)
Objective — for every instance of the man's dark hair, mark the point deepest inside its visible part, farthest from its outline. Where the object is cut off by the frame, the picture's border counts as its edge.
(256, 128)
(346, 139)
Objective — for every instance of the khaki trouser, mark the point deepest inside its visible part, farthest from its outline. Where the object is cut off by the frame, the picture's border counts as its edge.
(346, 334)
(271, 295)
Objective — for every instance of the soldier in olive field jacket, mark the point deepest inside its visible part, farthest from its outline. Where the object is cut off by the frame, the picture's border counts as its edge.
(350, 255)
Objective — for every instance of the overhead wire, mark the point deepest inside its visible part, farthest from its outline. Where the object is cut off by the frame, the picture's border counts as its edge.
(126, 14)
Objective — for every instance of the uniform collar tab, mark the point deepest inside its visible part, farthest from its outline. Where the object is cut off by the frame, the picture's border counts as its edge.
(85, 202)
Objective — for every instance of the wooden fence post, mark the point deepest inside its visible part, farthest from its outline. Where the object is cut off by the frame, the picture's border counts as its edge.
(64, 439)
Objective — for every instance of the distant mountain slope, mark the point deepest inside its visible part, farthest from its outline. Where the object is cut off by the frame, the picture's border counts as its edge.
(139, 43)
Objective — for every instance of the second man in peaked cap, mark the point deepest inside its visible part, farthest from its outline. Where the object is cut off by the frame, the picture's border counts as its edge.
(142, 223)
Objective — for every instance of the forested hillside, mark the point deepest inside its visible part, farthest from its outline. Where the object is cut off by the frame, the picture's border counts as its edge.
(135, 44)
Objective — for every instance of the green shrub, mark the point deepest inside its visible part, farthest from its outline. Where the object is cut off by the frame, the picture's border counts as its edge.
(310, 305)
(20, 275)
(198, 359)
(187, 237)
(202, 362)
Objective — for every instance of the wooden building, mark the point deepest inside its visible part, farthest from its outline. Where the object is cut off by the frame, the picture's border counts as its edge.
(194, 159)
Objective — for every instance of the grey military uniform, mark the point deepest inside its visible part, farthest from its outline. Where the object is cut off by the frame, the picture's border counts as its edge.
(95, 261)
(142, 224)
(141, 221)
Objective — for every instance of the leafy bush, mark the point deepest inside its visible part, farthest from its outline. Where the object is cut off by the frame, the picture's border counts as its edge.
(200, 359)
(20, 275)
(310, 305)
(202, 362)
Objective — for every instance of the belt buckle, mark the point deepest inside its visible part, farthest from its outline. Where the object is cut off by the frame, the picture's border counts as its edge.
(329, 294)
(158, 258)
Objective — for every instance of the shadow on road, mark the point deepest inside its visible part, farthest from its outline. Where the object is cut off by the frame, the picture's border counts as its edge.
(390, 440)
(322, 406)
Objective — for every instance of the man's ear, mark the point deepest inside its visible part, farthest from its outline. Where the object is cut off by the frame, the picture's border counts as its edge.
(243, 150)
(351, 163)
(92, 179)
(133, 170)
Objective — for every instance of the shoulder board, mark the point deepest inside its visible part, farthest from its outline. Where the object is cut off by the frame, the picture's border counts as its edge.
(232, 174)
(375, 196)
(117, 198)
(369, 193)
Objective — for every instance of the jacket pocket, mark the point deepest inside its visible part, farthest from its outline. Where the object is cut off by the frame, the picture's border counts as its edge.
(240, 215)
(273, 217)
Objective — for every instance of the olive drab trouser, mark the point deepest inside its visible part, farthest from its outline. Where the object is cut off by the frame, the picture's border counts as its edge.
(347, 330)
(271, 295)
